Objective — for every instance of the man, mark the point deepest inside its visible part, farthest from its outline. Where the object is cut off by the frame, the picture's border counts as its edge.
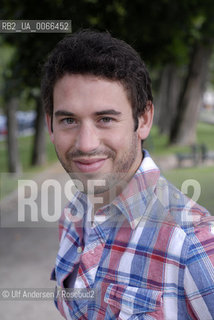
(145, 249)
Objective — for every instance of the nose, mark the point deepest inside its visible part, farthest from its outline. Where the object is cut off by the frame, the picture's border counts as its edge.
(87, 139)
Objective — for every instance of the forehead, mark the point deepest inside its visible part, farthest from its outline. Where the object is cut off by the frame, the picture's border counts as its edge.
(89, 92)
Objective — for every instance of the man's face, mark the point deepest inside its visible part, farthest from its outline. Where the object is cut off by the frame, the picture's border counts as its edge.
(93, 130)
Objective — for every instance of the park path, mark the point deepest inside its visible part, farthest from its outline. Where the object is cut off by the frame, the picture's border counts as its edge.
(27, 255)
(28, 251)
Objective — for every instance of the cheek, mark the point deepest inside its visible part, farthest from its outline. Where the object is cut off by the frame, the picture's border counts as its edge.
(119, 142)
(62, 143)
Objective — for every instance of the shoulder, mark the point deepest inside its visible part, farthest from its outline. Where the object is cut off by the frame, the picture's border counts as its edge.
(189, 218)
(184, 211)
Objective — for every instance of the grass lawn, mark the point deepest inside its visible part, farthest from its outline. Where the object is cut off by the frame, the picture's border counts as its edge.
(158, 144)
(203, 175)
(8, 182)
(25, 148)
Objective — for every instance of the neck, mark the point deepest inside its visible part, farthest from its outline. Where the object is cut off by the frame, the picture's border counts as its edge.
(102, 199)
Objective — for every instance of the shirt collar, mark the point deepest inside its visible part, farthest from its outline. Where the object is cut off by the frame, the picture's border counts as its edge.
(135, 200)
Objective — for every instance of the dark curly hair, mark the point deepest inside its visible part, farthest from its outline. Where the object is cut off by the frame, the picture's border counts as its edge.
(98, 53)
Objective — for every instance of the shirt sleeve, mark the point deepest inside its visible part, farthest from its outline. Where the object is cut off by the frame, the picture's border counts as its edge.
(199, 271)
(53, 275)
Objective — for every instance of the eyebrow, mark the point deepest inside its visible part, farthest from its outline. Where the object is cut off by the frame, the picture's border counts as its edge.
(60, 113)
(108, 112)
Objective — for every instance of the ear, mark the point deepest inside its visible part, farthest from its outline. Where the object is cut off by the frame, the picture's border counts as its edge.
(145, 121)
(49, 120)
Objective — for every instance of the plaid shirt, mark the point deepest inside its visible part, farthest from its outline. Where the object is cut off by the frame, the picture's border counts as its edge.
(151, 258)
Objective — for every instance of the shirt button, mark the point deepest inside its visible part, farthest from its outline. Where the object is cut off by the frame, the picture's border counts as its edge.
(79, 250)
(176, 195)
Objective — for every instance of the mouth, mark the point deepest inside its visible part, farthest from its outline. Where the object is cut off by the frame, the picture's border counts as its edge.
(89, 165)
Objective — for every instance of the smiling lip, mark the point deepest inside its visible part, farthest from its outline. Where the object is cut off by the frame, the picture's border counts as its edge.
(89, 165)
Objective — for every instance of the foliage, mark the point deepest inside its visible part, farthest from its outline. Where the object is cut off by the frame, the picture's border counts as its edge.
(163, 31)
(6, 54)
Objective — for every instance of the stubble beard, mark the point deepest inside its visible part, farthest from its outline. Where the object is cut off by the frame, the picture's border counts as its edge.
(114, 182)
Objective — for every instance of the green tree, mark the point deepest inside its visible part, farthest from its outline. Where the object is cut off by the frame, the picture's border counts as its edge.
(183, 130)
(162, 31)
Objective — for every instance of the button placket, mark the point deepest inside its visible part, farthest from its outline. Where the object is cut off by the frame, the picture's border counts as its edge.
(79, 250)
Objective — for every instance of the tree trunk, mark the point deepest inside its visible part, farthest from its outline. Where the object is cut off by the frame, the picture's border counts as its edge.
(168, 97)
(12, 143)
(183, 131)
(39, 145)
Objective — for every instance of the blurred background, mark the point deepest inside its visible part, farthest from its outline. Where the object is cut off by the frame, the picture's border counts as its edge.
(176, 40)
